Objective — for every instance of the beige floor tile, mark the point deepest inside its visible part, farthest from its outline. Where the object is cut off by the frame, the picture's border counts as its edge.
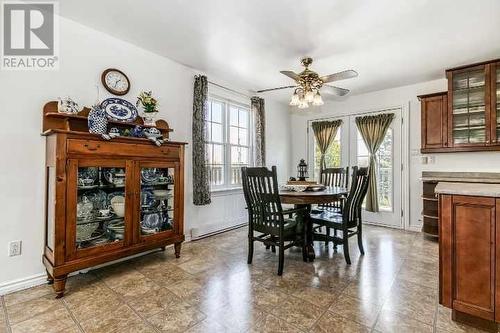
(49, 322)
(297, 312)
(389, 321)
(360, 311)
(153, 301)
(142, 327)
(86, 306)
(317, 296)
(177, 318)
(28, 294)
(444, 323)
(209, 326)
(240, 317)
(272, 324)
(22, 311)
(115, 319)
(330, 322)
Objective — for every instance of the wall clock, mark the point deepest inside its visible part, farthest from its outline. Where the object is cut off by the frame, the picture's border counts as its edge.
(115, 81)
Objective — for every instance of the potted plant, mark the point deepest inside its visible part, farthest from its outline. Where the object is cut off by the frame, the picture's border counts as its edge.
(149, 107)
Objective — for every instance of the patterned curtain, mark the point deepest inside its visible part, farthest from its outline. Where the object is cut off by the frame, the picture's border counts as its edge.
(260, 126)
(373, 130)
(324, 132)
(201, 185)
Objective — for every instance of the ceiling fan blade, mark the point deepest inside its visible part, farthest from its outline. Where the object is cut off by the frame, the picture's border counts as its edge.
(336, 91)
(348, 74)
(291, 75)
(279, 88)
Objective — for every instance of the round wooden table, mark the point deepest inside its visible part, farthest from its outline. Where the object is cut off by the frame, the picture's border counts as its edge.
(306, 199)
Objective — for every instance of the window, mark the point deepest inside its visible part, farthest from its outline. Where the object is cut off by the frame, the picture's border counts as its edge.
(332, 156)
(384, 168)
(227, 142)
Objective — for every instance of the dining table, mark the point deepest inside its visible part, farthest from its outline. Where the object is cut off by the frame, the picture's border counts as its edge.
(306, 199)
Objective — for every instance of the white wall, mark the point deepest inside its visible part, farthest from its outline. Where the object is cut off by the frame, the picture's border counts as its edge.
(401, 96)
(84, 54)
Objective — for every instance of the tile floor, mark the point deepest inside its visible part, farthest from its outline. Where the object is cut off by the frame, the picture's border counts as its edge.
(393, 288)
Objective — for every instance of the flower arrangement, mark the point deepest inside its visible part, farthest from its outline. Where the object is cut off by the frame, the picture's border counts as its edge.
(148, 102)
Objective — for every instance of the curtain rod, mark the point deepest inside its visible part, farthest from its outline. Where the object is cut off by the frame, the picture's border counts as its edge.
(229, 89)
(335, 117)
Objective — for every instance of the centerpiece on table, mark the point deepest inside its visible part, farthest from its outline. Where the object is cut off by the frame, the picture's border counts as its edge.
(149, 107)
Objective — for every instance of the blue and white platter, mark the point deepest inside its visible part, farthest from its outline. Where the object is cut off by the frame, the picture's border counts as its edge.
(119, 109)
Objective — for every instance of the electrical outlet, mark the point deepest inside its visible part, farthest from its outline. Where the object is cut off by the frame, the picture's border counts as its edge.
(15, 248)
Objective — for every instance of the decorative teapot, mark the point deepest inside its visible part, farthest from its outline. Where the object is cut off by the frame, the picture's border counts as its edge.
(67, 105)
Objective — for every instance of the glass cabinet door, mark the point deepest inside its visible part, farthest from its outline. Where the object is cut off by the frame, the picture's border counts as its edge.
(469, 111)
(101, 205)
(496, 109)
(157, 206)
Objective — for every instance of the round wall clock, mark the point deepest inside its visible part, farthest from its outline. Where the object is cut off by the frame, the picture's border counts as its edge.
(115, 81)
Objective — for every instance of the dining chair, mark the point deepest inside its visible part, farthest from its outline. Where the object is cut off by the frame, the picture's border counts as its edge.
(334, 177)
(349, 220)
(267, 217)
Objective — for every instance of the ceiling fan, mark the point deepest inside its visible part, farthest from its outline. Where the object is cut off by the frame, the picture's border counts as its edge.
(309, 83)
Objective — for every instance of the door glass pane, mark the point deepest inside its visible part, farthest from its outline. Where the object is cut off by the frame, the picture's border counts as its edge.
(100, 209)
(332, 156)
(384, 168)
(157, 200)
(469, 107)
(498, 99)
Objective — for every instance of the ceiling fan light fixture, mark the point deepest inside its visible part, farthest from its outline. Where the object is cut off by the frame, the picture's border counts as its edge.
(303, 104)
(295, 100)
(309, 96)
(318, 101)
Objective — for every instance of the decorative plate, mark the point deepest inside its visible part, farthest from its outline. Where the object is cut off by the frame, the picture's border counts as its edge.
(150, 175)
(119, 109)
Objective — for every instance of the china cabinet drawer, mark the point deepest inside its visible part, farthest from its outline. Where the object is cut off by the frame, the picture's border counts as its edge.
(91, 147)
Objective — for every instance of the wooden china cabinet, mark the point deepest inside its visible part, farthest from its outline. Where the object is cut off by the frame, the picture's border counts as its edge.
(106, 200)
(471, 119)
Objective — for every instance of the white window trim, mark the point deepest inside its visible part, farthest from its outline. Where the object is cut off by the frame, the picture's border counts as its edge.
(227, 186)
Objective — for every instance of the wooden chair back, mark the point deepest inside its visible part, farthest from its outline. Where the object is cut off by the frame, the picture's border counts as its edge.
(260, 187)
(335, 177)
(357, 193)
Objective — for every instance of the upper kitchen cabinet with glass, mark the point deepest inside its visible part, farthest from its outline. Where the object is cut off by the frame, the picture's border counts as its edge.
(468, 109)
(470, 121)
(107, 199)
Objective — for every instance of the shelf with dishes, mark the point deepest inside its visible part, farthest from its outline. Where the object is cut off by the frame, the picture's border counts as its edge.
(157, 200)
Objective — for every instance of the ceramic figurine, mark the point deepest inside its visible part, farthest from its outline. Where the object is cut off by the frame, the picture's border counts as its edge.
(97, 120)
(154, 135)
(67, 105)
(137, 132)
(114, 132)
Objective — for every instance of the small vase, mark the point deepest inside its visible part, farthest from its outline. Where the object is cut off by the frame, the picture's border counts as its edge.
(149, 118)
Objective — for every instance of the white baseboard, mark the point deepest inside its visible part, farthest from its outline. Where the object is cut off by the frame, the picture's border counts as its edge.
(24, 283)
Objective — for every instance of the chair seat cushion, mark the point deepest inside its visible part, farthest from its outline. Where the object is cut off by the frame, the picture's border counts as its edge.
(330, 219)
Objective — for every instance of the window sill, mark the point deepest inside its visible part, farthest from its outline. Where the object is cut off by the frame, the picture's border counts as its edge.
(219, 192)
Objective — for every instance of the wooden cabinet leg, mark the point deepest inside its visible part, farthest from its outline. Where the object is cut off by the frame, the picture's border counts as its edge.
(59, 285)
(177, 247)
(50, 279)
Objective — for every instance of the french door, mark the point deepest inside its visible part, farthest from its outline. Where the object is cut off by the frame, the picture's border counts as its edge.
(353, 152)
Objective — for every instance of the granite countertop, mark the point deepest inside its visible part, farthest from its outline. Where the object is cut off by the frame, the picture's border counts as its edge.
(465, 177)
(472, 189)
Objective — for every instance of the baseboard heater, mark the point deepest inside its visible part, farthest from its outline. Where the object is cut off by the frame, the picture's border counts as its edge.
(195, 232)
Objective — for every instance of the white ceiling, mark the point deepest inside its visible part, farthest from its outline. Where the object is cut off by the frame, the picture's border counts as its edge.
(389, 42)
